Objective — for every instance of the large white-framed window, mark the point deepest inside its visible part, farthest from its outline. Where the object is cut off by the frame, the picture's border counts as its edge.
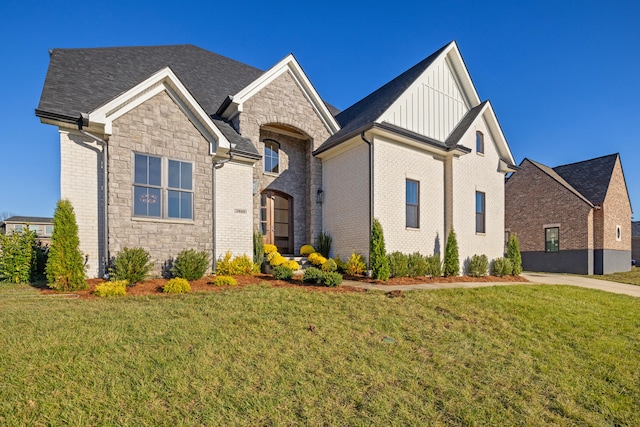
(271, 156)
(162, 187)
(412, 203)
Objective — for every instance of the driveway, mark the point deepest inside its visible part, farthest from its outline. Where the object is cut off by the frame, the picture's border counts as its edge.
(533, 278)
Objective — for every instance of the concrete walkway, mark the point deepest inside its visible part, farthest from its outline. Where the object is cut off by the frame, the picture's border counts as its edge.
(533, 278)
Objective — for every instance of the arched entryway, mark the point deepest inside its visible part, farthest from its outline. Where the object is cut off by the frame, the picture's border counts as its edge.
(276, 220)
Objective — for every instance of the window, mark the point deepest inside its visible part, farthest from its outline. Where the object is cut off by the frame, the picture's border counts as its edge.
(48, 230)
(552, 239)
(413, 204)
(618, 233)
(480, 212)
(271, 156)
(151, 189)
(17, 228)
(33, 228)
(479, 142)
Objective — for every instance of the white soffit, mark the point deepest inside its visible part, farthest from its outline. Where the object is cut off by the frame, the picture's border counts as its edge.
(163, 80)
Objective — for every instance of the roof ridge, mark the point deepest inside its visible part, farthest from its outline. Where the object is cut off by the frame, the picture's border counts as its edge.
(587, 160)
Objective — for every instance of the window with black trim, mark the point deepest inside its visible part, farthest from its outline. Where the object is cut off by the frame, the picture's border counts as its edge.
(479, 142)
(271, 156)
(412, 204)
(152, 189)
(552, 239)
(480, 212)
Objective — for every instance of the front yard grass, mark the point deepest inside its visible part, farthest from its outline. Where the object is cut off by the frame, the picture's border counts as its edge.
(260, 355)
(631, 277)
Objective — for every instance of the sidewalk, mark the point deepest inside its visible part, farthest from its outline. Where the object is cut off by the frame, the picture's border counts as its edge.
(533, 279)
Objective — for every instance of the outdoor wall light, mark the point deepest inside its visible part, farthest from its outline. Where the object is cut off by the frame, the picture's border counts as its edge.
(320, 196)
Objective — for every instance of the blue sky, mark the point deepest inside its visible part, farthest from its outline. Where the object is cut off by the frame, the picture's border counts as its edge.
(562, 76)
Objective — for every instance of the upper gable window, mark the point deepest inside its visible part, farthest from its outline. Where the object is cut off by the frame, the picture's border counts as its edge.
(479, 142)
(271, 156)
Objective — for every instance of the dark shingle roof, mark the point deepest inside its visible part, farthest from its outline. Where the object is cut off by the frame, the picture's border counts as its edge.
(590, 177)
(635, 228)
(371, 107)
(464, 124)
(80, 80)
(553, 174)
(28, 219)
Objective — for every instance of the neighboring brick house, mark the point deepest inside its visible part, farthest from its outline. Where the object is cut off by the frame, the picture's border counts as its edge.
(573, 218)
(635, 241)
(198, 151)
(42, 226)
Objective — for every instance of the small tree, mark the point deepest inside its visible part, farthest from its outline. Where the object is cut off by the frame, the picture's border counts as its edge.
(379, 261)
(513, 253)
(18, 256)
(65, 266)
(451, 259)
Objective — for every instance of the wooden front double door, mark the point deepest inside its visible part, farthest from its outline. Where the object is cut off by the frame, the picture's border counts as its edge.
(276, 220)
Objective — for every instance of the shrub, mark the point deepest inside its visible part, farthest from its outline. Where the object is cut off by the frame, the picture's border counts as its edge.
(277, 260)
(65, 266)
(176, 286)
(398, 264)
(312, 275)
(258, 248)
(316, 259)
(329, 265)
(324, 244)
(513, 253)
(355, 264)
(131, 265)
(331, 279)
(116, 288)
(224, 281)
(434, 265)
(307, 250)
(478, 266)
(451, 259)
(293, 265)
(379, 261)
(282, 272)
(417, 265)
(239, 266)
(269, 248)
(18, 256)
(190, 264)
(502, 267)
(342, 266)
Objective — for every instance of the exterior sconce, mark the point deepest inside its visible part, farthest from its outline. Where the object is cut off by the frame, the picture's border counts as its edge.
(320, 196)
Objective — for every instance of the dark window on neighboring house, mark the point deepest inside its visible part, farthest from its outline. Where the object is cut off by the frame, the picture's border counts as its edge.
(150, 192)
(479, 142)
(480, 212)
(552, 239)
(271, 156)
(413, 204)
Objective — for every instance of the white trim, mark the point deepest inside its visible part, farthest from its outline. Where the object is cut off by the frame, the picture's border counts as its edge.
(290, 65)
(164, 80)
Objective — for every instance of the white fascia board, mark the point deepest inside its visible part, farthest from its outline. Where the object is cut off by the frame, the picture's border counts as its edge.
(163, 80)
(496, 132)
(461, 73)
(288, 64)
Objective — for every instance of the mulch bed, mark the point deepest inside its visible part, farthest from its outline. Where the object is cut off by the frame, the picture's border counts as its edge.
(154, 286)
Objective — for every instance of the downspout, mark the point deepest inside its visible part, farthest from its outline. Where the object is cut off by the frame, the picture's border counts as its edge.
(84, 121)
(370, 195)
(217, 164)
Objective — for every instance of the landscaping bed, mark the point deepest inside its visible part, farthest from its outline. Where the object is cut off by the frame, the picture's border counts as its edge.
(420, 280)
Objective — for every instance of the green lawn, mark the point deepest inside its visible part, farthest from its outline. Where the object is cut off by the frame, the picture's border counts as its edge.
(631, 277)
(514, 355)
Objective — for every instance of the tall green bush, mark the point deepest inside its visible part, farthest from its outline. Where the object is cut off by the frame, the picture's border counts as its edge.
(190, 264)
(18, 256)
(399, 264)
(451, 258)
(258, 248)
(65, 266)
(513, 253)
(324, 244)
(379, 261)
(132, 265)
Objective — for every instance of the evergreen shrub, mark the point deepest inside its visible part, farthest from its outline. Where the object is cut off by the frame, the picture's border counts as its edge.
(451, 258)
(379, 261)
(116, 288)
(65, 264)
(224, 281)
(282, 272)
(398, 264)
(190, 264)
(513, 253)
(478, 266)
(131, 264)
(176, 286)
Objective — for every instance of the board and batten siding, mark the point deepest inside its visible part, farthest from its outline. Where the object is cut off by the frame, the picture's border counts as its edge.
(432, 106)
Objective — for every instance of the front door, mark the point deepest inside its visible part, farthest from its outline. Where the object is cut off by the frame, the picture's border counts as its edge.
(276, 220)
